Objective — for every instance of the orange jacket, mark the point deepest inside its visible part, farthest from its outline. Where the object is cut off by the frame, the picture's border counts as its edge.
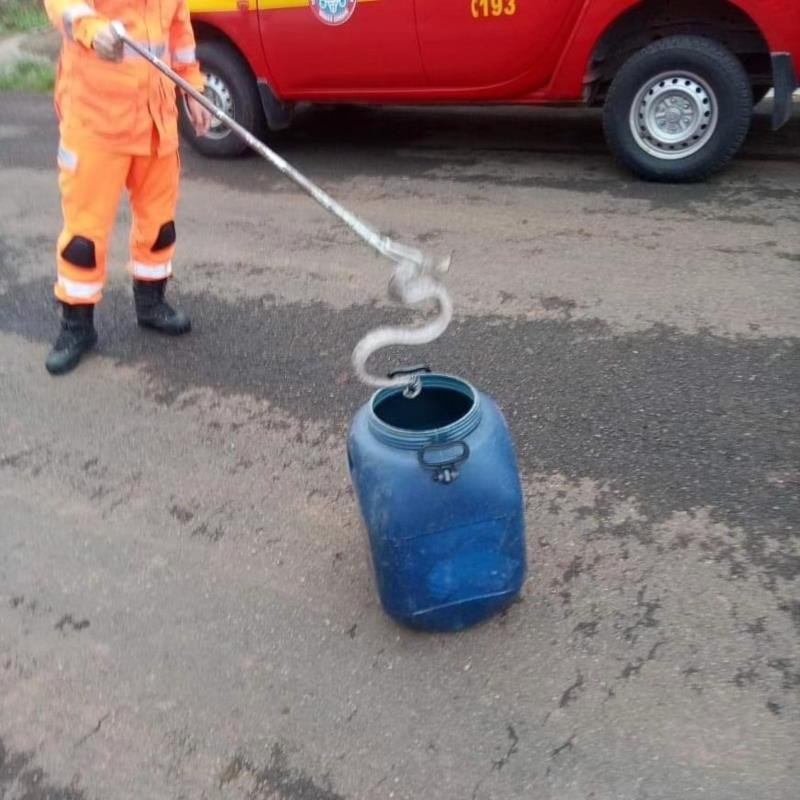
(114, 106)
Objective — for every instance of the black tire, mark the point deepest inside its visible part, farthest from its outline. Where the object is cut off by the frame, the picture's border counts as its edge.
(226, 71)
(717, 83)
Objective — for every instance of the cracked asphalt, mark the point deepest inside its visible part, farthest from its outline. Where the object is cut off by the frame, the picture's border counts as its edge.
(186, 607)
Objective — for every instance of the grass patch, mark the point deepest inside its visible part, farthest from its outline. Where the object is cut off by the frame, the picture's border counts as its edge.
(19, 16)
(28, 76)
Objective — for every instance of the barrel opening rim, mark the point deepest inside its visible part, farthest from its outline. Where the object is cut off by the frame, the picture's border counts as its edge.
(465, 417)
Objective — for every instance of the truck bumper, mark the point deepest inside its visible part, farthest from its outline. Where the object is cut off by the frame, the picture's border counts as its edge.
(784, 81)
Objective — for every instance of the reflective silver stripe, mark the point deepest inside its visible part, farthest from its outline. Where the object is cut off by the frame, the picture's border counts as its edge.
(66, 158)
(73, 13)
(153, 272)
(80, 290)
(185, 55)
(157, 50)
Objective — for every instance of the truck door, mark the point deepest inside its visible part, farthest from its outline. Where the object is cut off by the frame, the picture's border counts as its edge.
(469, 44)
(340, 47)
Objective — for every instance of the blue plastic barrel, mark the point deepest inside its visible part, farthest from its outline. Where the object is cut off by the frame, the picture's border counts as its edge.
(439, 492)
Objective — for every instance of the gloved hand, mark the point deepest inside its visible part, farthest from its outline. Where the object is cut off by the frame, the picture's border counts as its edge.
(107, 45)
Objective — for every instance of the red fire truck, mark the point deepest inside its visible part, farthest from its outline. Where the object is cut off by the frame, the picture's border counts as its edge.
(677, 79)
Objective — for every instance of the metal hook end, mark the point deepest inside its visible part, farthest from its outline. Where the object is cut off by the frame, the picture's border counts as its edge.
(443, 266)
(413, 388)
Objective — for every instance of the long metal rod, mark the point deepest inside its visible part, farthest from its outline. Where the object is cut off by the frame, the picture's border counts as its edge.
(415, 279)
(382, 244)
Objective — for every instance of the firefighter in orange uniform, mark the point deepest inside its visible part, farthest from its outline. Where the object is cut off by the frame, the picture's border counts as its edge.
(118, 126)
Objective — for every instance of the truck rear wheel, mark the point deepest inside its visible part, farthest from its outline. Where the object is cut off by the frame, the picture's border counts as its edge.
(678, 110)
(230, 86)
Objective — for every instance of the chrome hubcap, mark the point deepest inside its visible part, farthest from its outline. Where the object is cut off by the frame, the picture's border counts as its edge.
(674, 115)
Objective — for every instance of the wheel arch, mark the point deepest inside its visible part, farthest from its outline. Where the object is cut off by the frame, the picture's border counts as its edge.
(651, 20)
(205, 31)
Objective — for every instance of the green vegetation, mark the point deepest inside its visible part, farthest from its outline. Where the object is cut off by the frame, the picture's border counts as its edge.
(28, 76)
(19, 16)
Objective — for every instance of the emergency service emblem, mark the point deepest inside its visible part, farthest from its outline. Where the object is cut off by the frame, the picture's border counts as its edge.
(333, 12)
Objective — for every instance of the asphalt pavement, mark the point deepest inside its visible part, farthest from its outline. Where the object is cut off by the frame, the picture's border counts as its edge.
(186, 605)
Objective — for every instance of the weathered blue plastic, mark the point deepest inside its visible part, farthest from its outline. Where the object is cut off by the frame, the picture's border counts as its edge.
(446, 554)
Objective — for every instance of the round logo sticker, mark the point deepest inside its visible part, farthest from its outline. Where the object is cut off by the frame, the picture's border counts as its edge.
(333, 12)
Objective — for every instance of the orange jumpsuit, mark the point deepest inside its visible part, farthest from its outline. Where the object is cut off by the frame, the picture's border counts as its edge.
(118, 126)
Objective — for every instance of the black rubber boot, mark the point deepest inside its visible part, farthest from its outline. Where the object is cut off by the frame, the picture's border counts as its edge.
(152, 311)
(77, 335)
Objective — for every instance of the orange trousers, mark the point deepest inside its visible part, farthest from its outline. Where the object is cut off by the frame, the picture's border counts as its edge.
(91, 183)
